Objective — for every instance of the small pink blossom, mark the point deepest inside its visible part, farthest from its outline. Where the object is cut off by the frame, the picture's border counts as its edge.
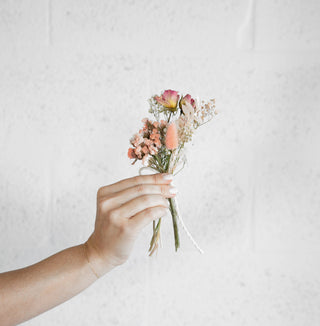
(131, 153)
(157, 142)
(136, 140)
(145, 149)
(163, 123)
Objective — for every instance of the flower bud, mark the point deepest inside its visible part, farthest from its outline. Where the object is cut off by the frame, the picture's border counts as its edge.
(172, 136)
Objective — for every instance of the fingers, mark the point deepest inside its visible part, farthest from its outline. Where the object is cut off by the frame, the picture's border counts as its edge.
(158, 178)
(121, 197)
(143, 218)
(136, 205)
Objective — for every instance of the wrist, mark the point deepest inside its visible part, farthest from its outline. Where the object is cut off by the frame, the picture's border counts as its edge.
(97, 264)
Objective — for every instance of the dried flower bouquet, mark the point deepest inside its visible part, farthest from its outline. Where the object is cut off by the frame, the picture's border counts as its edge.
(160, 143)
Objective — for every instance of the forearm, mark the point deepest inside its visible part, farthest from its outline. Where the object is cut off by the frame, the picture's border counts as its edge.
(123, 210)
(29, 291)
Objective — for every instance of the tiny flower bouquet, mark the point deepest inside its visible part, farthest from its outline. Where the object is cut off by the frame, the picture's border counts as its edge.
(160, 143)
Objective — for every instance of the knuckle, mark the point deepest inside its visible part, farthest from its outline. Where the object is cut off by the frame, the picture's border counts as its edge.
(123, 227)
(155, 178)
(148, 199)
(140, 188)
(155, 212)
(100, 192)
(113, 216)
(103, 204)
(164, 189)
(137, 179)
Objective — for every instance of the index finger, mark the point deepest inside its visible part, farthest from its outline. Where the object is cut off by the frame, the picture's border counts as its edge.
(158, 178)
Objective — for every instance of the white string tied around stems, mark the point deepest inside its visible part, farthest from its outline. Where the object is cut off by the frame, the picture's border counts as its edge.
(145, 168)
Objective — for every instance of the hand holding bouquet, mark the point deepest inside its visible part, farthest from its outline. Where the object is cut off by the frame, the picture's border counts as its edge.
(160, 143)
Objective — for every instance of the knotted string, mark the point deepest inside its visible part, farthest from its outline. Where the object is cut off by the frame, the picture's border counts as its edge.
(145, 168)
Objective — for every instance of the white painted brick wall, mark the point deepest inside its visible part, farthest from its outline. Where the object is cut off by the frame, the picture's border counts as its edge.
(75, 77)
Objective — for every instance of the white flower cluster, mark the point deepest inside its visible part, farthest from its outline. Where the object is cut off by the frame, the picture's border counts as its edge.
(155, 108)
(204, 112)
(185, 129)
(194, 117)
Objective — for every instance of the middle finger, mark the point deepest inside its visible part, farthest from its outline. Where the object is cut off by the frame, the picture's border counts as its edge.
(123, 196)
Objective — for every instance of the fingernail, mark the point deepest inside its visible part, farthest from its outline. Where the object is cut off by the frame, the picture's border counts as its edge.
(173, 190)
(168, 177)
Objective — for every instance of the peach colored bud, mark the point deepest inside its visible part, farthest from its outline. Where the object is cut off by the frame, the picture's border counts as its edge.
(172, 136)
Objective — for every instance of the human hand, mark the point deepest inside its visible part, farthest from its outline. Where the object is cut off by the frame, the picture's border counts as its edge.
(123, 210)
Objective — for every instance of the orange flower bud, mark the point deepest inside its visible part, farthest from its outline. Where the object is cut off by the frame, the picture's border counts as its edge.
(172, 136)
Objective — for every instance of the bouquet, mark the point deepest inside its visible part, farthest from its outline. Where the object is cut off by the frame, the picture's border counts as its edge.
(161, 142)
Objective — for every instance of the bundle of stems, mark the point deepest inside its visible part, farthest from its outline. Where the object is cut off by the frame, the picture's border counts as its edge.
(166, 163)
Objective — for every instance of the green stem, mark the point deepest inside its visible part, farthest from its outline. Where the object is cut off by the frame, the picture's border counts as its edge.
(174, 222)
(155, 237)
(168, 161)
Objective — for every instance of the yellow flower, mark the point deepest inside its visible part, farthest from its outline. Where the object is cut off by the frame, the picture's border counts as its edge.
(169, 99)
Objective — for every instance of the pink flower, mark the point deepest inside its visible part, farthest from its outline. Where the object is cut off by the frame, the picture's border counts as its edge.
(131, 153)
(137, 151)
(145, 149)
(188, 111)
(169, 99)
(136, 140)
(149, 140)
(145, 124)
(172, 136)
(157, 142)
(187, 99)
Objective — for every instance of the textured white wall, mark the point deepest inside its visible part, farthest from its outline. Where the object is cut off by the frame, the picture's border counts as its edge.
(75, 77)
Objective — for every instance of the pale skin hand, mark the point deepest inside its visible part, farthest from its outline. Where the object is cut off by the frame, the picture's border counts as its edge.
(123, 210)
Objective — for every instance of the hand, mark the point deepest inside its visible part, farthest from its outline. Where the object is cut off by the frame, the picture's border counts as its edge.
(123, 210)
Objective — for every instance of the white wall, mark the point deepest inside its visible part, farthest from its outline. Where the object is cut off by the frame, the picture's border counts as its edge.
(74, 82)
